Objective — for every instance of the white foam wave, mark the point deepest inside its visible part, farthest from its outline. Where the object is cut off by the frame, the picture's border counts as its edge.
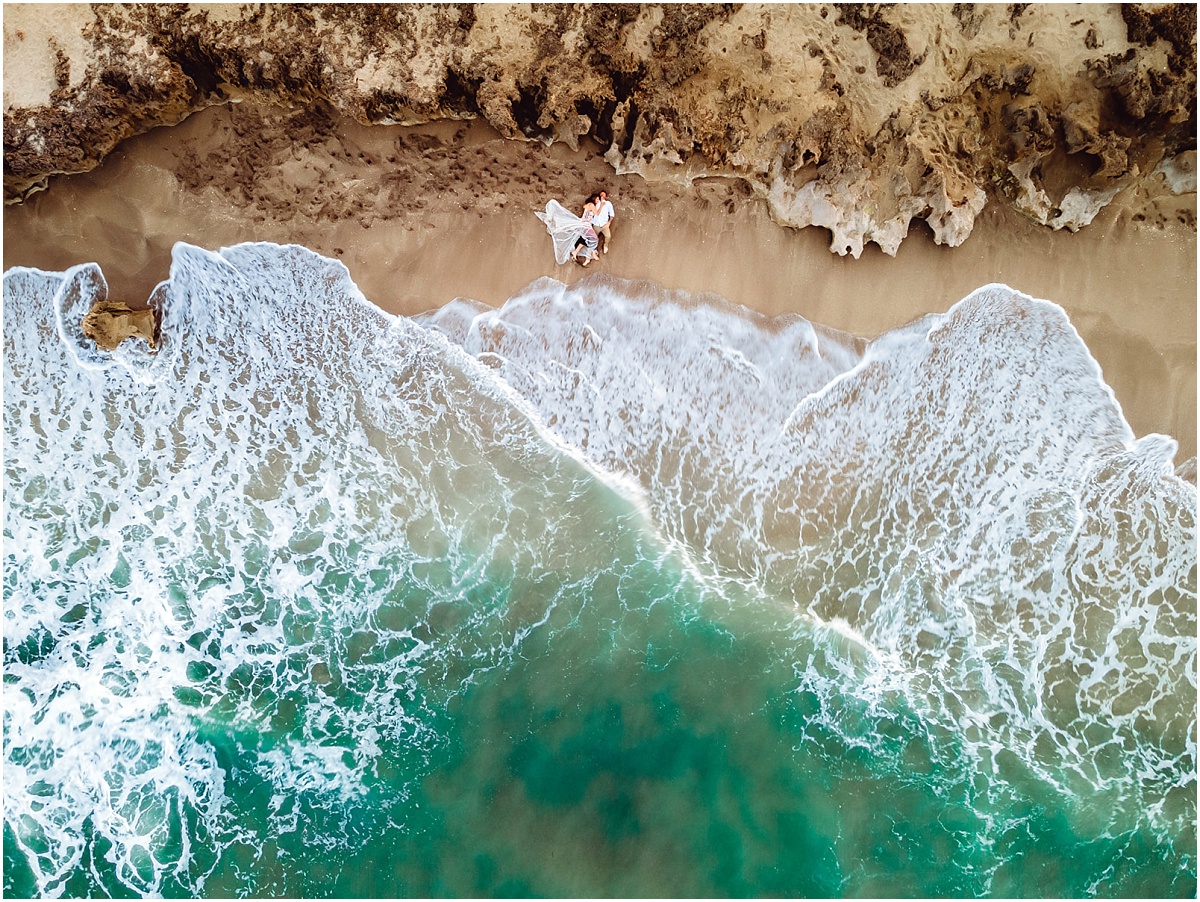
(947, 494)
(288, 524)
(248, 535)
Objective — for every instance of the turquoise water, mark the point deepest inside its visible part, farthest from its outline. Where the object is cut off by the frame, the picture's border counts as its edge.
(612, 592)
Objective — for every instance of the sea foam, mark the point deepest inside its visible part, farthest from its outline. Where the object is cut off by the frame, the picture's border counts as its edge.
(269, 588)
(963, 494)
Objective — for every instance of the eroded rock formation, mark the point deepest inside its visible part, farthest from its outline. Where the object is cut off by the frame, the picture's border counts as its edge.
(109, 323)
(857, 118)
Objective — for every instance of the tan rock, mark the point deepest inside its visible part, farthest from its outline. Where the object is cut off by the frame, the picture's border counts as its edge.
(109, 323)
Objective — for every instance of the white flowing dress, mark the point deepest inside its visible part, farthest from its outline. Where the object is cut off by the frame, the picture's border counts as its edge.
(565, 228)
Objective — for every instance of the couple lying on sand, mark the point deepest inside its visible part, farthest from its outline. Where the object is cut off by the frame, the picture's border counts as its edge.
(578, 238)
(598, 214)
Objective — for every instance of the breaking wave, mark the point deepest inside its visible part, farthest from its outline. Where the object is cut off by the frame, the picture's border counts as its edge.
(315, 600)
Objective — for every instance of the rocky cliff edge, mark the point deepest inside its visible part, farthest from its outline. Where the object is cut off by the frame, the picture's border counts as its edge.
(858, 118)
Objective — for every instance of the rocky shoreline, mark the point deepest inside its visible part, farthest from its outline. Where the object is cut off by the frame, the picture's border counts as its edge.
(861, 119)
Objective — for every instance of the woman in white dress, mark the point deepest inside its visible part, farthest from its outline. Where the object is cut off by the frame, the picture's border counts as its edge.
(588, 242)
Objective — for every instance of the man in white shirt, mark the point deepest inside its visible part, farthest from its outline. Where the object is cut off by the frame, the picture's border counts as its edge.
(604, 217)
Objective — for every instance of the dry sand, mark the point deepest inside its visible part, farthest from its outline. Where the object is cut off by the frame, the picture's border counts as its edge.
(424, 214)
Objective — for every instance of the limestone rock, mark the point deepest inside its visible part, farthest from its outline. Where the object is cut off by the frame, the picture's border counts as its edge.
(855, 118)
(1179, 173)
(109, 323)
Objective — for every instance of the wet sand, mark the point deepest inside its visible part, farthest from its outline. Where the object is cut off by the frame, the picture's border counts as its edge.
(424, 214)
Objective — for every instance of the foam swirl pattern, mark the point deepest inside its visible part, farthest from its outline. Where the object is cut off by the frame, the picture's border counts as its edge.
(319, 601)
(963, 495)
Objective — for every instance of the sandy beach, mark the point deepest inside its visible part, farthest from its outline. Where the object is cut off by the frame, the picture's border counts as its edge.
(423, 214)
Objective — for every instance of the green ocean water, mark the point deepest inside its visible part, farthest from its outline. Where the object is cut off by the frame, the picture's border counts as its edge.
(638, 745)
(327, 610)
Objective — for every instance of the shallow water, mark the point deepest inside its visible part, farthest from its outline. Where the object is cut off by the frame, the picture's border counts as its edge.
(613, 591)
